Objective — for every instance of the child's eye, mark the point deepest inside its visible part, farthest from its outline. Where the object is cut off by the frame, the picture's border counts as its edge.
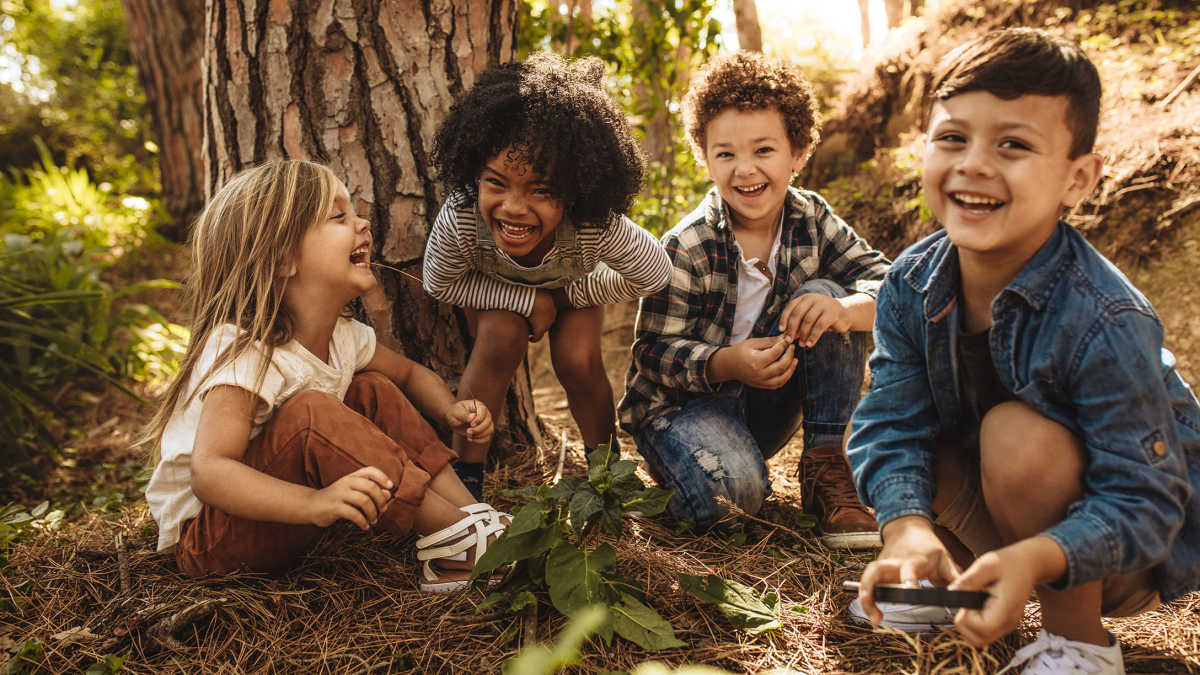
(493, 182)
(338, 216)
(1013, 144)
(765, 150)
(951, 137)
(724, 154)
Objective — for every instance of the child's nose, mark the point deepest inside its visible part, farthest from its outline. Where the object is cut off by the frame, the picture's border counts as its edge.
(975, 161)
(514, 204)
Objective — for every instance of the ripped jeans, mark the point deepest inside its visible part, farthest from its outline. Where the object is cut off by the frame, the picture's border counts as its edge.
(718, 445)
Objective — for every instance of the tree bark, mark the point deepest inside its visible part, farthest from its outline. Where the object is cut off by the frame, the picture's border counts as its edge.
(864, 21)
(361, 86)
(166, 40)
(749, 31)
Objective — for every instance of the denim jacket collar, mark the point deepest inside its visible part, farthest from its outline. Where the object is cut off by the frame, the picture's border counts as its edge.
(936, 275)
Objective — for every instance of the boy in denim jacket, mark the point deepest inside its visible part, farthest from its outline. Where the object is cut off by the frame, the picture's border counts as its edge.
(1025, 427)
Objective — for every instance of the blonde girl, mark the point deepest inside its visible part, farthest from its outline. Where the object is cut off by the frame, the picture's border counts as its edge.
(286, 415)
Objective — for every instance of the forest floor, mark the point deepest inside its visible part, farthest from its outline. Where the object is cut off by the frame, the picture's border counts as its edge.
(95, 586)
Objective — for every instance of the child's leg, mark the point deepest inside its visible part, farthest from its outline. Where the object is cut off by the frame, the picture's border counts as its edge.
(703, 452)
(1029, 480)
(825, 389)
(575, 353)
(501, 340)
(313, 439)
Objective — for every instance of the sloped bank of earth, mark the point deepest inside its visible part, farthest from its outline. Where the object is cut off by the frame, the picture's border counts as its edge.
(1145, 213)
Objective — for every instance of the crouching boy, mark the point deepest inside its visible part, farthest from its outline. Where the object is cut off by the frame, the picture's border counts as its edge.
(1025, 427)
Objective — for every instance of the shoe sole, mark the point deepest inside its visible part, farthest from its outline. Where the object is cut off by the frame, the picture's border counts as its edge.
(856, 541)
(903, 626)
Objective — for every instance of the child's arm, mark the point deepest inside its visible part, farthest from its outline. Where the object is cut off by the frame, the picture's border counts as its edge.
(221, 480)
(844, 256)
(635, 265)
(448, 271)
(432, 397)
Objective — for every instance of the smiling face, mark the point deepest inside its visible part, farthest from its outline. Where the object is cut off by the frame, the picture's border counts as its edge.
(335, 253)
(751, 160)
(998, 172)
(518, 208)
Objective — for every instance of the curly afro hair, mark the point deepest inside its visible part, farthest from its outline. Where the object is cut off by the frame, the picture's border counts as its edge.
(749, 81)
(555, 116)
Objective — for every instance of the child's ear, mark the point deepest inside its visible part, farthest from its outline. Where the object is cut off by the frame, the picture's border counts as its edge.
(287, 270)
(1084, 174)
(799, 159)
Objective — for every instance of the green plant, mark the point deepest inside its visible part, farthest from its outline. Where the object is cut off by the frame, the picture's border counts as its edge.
(17, 522)
(60, 321)
(547, 546)
(111, 665)
(24, 657)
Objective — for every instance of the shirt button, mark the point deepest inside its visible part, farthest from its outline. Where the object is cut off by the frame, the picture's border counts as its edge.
(1160, 448)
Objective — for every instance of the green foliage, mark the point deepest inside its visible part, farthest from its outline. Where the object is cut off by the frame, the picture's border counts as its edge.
(78, 88)
(546, 545)
(16, 523)
(651, 49)
(544, 660)
(742, 605)
(111, 665)
(25, 658)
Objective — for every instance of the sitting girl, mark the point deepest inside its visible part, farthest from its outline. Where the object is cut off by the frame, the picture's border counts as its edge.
(286, 416)
(533, 238)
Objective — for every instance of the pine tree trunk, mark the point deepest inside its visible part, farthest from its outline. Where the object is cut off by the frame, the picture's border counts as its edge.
(169, 70)
(361, 85)
(749, 33)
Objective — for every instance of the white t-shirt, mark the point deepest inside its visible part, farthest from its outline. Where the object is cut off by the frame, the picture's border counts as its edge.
(753, 287)
(292, 369)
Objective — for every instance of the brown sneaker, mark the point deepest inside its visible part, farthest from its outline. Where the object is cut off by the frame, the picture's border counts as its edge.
(827, 492)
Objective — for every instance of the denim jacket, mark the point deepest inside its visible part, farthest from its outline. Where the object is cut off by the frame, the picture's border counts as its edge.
(1073, 339)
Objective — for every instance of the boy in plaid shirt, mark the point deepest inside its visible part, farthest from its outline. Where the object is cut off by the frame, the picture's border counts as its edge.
(764, 321)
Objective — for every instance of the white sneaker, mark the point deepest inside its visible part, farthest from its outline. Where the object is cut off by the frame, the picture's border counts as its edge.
(905, 617)
(1055, 655)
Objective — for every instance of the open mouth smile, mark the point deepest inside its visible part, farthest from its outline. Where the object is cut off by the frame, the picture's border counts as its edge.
(750, 190)
(361, 256)
(975, 203)
(515, 232)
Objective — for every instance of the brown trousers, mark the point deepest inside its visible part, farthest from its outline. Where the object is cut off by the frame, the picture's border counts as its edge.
(314, 439)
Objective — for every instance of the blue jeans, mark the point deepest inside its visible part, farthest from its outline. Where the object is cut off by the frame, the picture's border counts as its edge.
(718, 445)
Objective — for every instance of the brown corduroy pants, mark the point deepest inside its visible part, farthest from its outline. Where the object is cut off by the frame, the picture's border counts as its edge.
(314, 439)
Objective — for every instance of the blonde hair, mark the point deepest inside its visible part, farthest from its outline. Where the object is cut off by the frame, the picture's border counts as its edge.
(247, 233)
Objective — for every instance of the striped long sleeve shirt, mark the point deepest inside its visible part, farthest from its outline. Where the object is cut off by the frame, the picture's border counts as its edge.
(620, 262)
(681, 326)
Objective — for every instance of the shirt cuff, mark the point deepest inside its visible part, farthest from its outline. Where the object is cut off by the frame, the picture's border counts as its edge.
(900, 496)
(1091, 549)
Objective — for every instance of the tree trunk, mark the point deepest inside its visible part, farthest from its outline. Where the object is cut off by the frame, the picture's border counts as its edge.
(864, 21)
(749, 32)
(916, 7)
(895, 12)
(361, 86)
(169, 70)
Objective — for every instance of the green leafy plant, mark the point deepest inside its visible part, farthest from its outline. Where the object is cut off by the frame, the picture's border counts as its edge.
(24, 657)
(742, 605)
(548, 547)
(111, 665)
(60, 322)
(16, 522)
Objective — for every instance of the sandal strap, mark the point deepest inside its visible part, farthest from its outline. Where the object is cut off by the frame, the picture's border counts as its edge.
(451, 543)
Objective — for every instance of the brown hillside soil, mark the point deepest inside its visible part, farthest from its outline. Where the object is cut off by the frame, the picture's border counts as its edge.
(352, 607)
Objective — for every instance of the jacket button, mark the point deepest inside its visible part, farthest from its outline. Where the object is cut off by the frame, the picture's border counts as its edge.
(1160, 449)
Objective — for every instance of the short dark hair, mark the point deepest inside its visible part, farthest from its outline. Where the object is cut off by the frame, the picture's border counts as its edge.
(556, 117)
(1021, 61)
(750, 81)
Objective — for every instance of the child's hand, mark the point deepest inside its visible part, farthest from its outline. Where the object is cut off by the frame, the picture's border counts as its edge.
(358, 497)
(1008, 578)
(765, 363)
(545, 311)
(471, 419)
(807, 317)
(911, 552)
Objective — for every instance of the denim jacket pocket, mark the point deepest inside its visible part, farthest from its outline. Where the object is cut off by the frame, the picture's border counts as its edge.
(1154, 447)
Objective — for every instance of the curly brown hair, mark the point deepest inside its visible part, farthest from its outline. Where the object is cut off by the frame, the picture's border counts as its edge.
(750, 81)
(555, 116)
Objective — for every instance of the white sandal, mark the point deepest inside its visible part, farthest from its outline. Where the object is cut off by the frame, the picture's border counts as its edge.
(451, 543)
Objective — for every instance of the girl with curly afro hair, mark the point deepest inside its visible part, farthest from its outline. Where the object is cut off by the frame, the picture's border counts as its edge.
(764, 324)
(541, 168)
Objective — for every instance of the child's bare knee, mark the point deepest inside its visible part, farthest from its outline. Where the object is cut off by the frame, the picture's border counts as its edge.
(502, 340)
(579, 368)
(1023, 452)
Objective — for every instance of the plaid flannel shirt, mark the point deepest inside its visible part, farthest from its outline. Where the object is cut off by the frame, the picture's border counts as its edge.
(680, 326)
